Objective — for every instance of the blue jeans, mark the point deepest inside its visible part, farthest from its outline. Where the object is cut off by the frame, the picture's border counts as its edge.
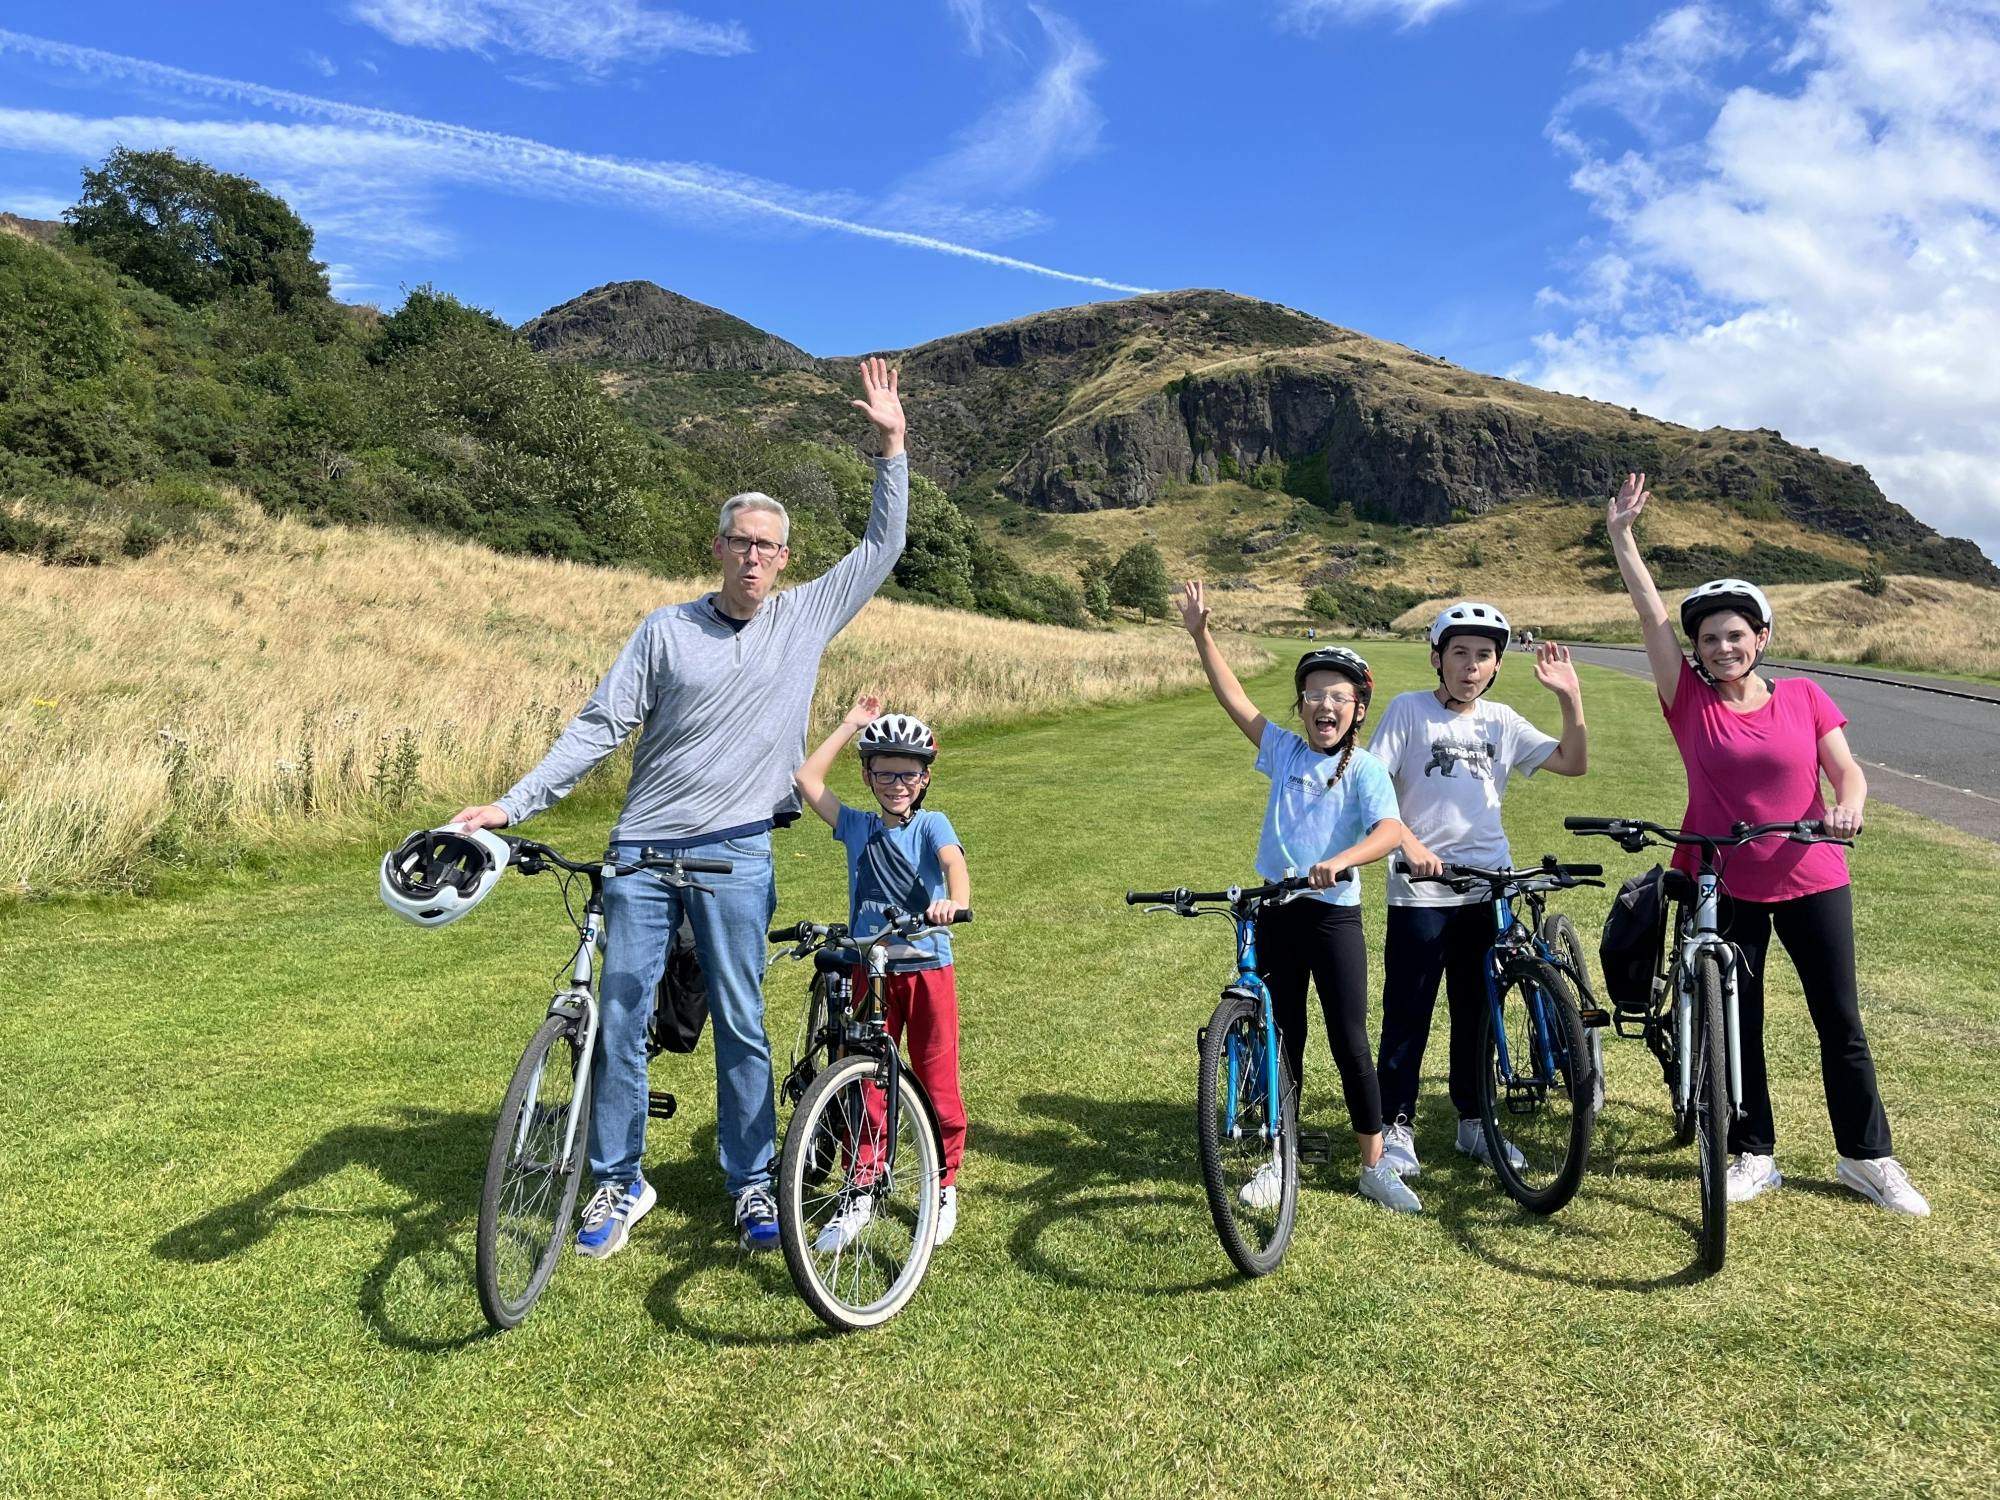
(641, 912)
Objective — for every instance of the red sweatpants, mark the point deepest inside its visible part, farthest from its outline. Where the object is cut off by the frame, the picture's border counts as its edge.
(922, 1015)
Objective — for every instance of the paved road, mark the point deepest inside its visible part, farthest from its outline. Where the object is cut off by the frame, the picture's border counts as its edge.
(1935, 753)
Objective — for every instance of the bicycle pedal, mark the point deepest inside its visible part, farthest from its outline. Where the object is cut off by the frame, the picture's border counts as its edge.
(1594, 1016)
(1315, 1148)
(661, 1106)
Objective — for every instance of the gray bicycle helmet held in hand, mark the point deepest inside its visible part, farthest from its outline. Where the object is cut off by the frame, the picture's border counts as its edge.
(437, 875)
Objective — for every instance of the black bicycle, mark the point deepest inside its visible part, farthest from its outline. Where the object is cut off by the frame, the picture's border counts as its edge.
(861, 1172)
(1539, 1086)
(541, 1139)
(1690, 1020)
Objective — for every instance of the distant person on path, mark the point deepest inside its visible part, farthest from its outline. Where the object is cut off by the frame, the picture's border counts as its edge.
(718, 690)
(1754, 751)
(1450, 750)
(905, 856)
(1332, 809)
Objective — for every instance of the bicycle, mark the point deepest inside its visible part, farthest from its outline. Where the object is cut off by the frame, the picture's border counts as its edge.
(857, 1246)
(1539, 1073)
(1690, 1021)
(1246, 1105)
(540, 1140)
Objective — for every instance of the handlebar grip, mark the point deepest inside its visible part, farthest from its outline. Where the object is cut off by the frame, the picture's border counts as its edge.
(962, 916)
(1583, 869)
(789, 934)
(1592, 825)
(1149, 898)
(706, 866)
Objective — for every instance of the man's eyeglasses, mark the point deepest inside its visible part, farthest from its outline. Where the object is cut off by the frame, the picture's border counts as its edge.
(742, 545)
(1329, 700)
(896, 778)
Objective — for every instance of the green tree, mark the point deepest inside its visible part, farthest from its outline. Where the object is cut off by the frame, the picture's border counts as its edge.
(1139, 580)
(192, 233)
(1097, 589)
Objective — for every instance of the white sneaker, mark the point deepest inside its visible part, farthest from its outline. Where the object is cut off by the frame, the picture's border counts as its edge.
(1399, 1150)
(1884, 1181)
(1380, 1184)
(1751, 1174)
(845, 1227)
(1472, 1142)
(1266, 1188)
(947, 1213)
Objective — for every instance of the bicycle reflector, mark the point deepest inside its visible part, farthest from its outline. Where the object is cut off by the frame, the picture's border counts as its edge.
(438, 875)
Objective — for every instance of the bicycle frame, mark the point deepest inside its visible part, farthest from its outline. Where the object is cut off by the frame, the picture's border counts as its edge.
(1700, 932)
(581, 995)
(1249, 981)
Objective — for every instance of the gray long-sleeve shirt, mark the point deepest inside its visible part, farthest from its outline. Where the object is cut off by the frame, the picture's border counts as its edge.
(721, 713)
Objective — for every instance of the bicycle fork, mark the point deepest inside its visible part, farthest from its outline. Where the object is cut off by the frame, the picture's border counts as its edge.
(577, 1003)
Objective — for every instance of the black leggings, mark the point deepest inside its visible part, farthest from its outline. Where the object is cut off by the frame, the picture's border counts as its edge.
(1426, 944)
(1307, 937)
(1818, 934)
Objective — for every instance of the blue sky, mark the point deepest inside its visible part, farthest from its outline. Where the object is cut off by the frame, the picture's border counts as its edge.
(1751, 212)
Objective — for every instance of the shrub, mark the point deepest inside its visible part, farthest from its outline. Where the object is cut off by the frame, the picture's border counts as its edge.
(1138, 580)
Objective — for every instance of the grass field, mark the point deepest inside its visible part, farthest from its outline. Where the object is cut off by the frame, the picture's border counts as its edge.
(245, 1128)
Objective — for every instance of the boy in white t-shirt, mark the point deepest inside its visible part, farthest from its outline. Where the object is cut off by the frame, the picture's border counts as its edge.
(1450, 752)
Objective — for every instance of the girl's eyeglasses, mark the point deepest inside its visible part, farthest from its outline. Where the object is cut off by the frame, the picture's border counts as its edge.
(1329, 700)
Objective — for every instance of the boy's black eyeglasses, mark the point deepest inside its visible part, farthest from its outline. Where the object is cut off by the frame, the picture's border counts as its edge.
(742, 546)
(896, 778)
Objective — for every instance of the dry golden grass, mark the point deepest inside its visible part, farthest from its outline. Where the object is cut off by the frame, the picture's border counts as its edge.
(1921, 624)
(264, 673)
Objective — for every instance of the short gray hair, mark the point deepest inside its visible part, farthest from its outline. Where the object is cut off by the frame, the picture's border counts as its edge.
(735, 505)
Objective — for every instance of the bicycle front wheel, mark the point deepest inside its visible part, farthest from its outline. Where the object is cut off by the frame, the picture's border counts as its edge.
(858, 1246)
(1710, 1110)
(812, 1052)
(1536, 1090)
(1560, 935)
(1249, 1157)
(531, 1181)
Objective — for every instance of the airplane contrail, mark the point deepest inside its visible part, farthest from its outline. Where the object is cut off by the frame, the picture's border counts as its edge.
(519, 154)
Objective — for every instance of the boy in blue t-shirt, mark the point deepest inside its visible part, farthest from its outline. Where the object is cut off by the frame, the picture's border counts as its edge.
(909, 858)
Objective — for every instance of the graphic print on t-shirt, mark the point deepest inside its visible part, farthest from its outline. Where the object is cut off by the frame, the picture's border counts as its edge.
(1448, 755)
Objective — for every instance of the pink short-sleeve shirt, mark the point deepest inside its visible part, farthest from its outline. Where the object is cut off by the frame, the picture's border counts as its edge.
(1760, 767)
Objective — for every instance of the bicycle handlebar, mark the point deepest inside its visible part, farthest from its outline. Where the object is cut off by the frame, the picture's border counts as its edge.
(1633, 832)
(1183, 897)
(1465, 877)
(896, 925)
(531, 856)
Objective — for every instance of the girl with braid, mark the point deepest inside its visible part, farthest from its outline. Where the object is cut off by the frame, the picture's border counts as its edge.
(1332, 809)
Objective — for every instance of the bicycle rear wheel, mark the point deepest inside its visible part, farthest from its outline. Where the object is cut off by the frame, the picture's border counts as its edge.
(858, 1246)
(1249, 1161)
(530, 1188)
(1711, 1111)
(1536, 1088)
(1560, 934)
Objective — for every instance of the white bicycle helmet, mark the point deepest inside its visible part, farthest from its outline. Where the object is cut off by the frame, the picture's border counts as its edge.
(1469, 617)
(437, 875)
(1725, 593)
(897, 734)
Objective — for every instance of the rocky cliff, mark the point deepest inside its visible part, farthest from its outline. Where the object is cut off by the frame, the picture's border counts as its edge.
(636, 322)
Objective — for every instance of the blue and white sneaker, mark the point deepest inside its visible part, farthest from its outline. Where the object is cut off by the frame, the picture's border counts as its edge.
(609, 1216)
(757, 1218)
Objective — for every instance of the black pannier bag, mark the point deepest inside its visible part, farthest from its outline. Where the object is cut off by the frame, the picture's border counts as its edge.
(1634, 935)
(680, 1008)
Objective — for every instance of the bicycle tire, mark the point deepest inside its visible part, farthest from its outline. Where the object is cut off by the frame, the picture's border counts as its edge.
(1546, 1112)
(1559, 933)
(1710, 1110)
(1253, 1235)
(866, 1280)
(810, 1055)
(529, 1192)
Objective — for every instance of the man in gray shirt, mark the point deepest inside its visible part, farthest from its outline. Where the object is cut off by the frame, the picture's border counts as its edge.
(718, 691)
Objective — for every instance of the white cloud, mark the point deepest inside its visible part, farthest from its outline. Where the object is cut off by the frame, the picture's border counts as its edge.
(1311, 15)
(971, 15)
(33, 204)
(1819, 252)
(398, 156)
(1015, 145)
(321, 64)
(594, 35)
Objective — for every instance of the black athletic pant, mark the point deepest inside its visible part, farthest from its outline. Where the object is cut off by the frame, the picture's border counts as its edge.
(1307, 937)
(1427, 944)
(1818, 934)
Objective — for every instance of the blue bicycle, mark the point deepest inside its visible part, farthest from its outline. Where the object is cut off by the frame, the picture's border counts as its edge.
(1541, 1084)
(1246, 1104)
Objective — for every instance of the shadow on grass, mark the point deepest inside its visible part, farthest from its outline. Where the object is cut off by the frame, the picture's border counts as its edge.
(421, 1294)
(1100, 1217)
(693, 1230)
(1475, 1210)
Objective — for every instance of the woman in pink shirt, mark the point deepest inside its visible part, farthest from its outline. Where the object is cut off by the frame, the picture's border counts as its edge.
(1754, 750)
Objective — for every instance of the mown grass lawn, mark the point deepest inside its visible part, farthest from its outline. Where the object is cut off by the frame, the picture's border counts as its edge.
(244, 1129)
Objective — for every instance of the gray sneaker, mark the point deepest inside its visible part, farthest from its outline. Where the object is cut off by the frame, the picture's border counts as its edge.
(1399, 1149)
(1882, 1180)
(1472, 1142)
(1751, 1175)
(1380, 1184)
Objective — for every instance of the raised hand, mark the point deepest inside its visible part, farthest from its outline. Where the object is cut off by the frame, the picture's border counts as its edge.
(883, 404)
(867, 708)
(1193, 602)
(1627, 503)
(1554, 670)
